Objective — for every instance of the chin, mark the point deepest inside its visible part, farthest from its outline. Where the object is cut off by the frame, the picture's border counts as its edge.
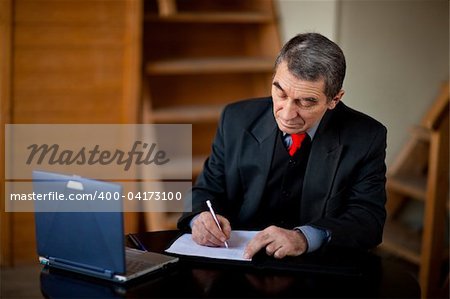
(292, 130)
(296, 131)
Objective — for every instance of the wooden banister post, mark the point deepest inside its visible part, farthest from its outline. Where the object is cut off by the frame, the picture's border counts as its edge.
(435, 211)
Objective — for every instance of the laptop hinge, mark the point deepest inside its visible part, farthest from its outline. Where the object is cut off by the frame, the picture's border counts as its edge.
(79, 267)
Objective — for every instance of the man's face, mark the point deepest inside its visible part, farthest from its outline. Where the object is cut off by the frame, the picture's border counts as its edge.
(298, 104)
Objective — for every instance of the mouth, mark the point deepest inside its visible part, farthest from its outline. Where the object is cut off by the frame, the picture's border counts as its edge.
(291, 126)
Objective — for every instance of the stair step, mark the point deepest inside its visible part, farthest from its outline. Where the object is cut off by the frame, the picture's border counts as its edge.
(413, 186)
(402, 241)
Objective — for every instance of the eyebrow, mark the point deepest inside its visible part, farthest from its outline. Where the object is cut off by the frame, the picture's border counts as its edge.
(277, 85)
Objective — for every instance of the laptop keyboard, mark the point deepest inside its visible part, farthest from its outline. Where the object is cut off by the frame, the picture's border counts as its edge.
(134, 265)
(136, 261)
(142, 261)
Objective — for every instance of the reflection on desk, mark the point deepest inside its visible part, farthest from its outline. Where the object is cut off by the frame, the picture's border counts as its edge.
(381, 279)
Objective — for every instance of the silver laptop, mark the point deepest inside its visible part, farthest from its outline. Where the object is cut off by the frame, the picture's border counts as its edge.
(87, 242)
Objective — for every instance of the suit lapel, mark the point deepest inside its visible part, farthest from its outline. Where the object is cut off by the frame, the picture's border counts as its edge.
(257, 150)
(322, 165)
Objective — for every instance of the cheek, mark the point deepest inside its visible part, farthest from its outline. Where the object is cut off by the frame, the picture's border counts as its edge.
(308, 119)
(277, 106)
(311, 118)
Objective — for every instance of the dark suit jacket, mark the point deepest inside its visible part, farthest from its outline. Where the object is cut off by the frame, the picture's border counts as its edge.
(344, 183)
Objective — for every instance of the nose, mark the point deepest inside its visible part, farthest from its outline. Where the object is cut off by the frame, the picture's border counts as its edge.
(289, 110)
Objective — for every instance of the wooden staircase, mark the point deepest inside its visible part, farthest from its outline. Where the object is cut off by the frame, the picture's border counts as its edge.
(421, 173)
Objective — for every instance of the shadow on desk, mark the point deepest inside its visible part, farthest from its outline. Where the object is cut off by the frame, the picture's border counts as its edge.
(379, 278)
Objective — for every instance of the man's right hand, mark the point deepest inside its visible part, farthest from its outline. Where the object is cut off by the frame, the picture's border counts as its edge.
(205, 231)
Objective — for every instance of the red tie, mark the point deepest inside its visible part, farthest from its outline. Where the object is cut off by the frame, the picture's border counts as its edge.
(297, 140)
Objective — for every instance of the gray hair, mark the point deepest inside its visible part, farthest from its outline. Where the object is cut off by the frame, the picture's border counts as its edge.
(311, 57)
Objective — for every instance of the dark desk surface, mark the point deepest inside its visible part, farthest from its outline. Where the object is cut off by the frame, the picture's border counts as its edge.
(381, 279)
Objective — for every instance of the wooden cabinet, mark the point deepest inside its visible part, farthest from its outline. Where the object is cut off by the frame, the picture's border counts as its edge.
(199, 55)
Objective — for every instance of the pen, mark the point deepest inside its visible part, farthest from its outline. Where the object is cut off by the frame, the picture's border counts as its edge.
(215, 219)
(137, 243)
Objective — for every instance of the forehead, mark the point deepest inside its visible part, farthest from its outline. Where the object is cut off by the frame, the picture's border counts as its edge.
(296, 87)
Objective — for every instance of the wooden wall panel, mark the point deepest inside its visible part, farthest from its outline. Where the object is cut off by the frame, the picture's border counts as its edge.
(133, 62)
(74, 61)
(70, 53)
(62, 60)
(5, 112)
(71, 11)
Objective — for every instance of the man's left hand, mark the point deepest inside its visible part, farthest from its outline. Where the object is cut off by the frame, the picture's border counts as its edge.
(279, 242)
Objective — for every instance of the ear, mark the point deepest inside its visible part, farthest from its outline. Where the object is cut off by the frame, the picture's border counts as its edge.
(332, 104)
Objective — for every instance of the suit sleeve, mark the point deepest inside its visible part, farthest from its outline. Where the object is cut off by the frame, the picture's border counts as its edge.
(210, 184)
(359, 221)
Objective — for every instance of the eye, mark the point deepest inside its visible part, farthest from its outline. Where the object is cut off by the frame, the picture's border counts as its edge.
(281, 94)
(308, 102)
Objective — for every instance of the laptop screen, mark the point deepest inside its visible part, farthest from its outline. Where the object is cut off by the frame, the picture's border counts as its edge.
(87, 240)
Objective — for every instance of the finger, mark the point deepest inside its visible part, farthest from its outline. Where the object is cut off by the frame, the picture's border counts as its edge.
(202, 240)
(280, 253)
(226, 227)
(216, 237)
(212, 227)
(262, 239)
(208, 234)
(201, 234)
(272, 248)
(213, 239)
(205, 239)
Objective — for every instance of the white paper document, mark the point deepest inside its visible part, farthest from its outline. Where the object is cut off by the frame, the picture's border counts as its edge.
(186, 246)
